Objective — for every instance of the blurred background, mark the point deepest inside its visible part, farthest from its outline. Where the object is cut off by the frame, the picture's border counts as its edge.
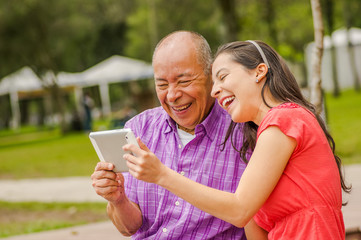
(68, 67)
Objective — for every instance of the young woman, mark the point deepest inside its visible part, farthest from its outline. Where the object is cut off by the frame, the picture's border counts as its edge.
(291, 188)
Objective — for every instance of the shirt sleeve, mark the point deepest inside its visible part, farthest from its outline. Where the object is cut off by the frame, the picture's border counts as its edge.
(291, 121)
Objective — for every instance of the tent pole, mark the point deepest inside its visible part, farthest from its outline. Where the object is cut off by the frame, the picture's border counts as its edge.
(15, 118)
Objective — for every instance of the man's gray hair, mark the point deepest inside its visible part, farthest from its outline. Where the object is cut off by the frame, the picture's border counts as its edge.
(204, 52)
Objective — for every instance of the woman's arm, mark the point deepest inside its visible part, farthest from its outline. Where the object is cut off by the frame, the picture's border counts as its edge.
(255, 232)
(272, 152)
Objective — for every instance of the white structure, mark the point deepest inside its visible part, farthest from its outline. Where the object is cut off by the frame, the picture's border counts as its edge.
(23, 80)
(112, 70)
(344, 71)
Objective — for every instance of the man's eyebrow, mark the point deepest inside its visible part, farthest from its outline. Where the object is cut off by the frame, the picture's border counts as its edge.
(185, 75)
(160, 79)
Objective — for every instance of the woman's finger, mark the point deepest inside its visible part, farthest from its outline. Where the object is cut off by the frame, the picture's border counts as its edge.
(142, 145)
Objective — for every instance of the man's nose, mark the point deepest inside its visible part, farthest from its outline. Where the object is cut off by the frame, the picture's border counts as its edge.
(173, 94)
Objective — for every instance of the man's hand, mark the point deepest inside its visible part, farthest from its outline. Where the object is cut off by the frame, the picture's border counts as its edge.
(125, 215)
(108, 184)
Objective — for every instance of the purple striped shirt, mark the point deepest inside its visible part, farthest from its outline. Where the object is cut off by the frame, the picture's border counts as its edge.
(166, 216)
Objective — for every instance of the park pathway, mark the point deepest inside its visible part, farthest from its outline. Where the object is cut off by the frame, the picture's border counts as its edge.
(79, 189)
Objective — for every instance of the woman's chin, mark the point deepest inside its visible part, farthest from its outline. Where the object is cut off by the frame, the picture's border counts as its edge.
(235, 119)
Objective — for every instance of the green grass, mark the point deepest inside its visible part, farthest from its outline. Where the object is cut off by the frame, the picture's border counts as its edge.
(48, 155)
(344, 120)
(21, 218)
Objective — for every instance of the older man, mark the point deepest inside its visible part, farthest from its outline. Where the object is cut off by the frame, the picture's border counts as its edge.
(186, 133)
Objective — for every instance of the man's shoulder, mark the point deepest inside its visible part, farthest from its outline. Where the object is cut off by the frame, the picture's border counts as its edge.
(153, 113)
(151, 116)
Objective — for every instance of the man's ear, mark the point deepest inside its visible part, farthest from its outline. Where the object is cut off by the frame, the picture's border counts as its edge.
(261, 71)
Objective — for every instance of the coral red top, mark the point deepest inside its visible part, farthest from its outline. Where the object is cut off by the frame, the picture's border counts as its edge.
(307, 201)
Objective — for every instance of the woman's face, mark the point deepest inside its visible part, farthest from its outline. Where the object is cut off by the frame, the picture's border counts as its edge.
(235, 88)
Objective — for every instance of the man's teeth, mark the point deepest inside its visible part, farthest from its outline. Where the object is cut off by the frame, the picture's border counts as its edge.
(227, 100)
(181, 108)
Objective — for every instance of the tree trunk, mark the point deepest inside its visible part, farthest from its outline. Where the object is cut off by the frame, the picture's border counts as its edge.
(350, 48)
(336, 86)
(351, 53)
(270, 20)
(316, 60)
(58, 103)
(152, 25)
(329, 4)
(231, 20)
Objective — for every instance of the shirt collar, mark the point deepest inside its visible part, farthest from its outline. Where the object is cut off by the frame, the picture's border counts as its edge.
(208, 125)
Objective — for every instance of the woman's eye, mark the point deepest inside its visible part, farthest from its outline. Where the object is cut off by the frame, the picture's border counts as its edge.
(222, 77)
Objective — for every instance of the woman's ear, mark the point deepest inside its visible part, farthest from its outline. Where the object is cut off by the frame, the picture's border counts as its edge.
(261, 71)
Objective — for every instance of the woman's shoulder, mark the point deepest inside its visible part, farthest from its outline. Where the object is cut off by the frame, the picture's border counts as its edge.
(290, 111)
(291, 118)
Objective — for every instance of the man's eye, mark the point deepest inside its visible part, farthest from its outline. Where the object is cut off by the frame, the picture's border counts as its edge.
(162, 85)
(185, 82)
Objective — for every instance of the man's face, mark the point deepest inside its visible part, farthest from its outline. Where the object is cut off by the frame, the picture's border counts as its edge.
(181, 85)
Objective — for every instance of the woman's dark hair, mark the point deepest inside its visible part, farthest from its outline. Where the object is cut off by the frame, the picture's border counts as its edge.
(282, 85)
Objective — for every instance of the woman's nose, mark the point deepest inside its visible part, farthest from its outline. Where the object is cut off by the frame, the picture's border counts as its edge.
(215, 90)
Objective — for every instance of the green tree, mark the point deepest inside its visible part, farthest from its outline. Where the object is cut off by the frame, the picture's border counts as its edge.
(200, 16)
(73, 37)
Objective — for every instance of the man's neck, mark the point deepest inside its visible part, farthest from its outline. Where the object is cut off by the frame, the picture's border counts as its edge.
(191, 131)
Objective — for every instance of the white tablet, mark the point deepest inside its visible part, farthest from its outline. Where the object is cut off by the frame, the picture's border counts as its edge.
(108, 145)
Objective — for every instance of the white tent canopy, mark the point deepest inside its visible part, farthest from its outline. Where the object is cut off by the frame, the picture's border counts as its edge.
(343, 63)
(22, 80)
(112, 70)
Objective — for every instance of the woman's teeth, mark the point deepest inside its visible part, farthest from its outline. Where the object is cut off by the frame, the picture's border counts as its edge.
(181, 108)
(227, 101)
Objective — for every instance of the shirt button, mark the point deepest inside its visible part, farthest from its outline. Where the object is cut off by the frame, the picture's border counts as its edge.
(179, 146)
(177, 203)
(164, 230)
(182, 173)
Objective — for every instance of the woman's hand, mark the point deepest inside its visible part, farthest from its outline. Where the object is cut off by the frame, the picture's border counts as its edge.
(144, 165)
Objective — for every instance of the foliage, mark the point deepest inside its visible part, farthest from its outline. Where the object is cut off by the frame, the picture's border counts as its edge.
(151, 22)
(70, 38)
(27, 217)
(80, 33)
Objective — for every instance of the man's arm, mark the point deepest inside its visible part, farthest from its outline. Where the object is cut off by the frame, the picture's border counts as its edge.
(125, 215)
